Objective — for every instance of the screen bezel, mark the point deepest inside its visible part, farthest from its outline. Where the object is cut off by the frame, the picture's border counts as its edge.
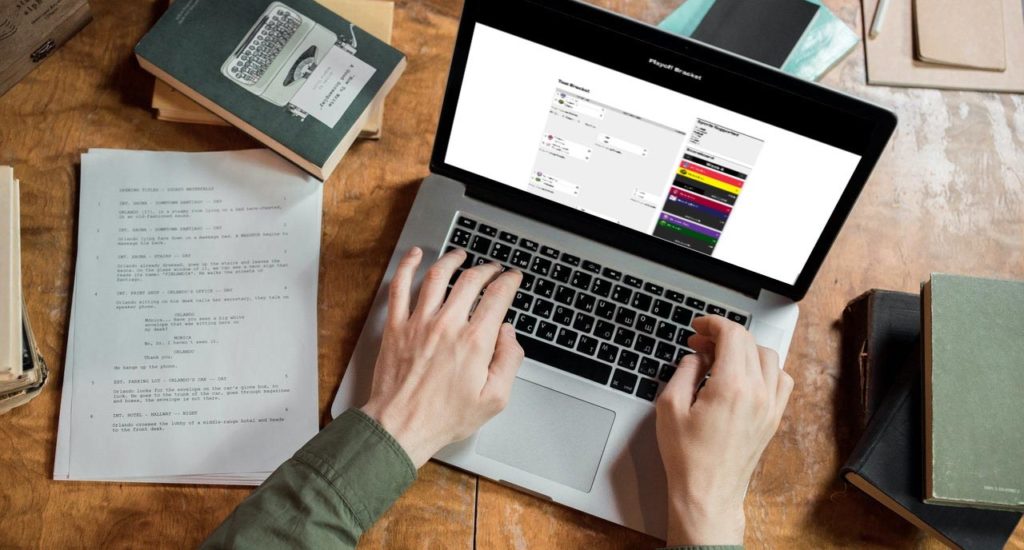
(874, 124)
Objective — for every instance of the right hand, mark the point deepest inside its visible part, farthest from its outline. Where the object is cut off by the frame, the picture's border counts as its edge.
(712, 440)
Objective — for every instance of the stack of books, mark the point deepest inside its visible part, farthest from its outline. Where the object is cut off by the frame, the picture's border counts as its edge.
(22, 370)
(375, 16)
(941, 379)
(298, 77)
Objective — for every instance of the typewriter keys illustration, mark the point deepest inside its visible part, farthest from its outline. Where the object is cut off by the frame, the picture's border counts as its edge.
(279, 53)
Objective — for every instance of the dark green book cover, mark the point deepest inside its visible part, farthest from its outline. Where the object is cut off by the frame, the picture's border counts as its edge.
(974, 392)
(292, 74)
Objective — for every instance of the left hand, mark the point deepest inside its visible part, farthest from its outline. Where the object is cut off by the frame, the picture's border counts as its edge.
(442, 374)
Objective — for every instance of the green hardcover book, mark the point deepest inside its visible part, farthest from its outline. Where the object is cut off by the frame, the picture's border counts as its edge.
(974, 392)
(294, 75)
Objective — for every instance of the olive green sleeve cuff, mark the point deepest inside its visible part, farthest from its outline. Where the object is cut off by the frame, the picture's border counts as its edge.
(327, 495)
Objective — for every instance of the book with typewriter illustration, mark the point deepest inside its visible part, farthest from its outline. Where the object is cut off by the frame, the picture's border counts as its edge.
(292, 74)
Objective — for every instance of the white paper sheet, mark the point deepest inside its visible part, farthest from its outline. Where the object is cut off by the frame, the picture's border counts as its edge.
(192, 353)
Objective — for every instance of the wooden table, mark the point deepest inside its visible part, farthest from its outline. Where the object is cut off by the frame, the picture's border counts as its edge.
(947, 196)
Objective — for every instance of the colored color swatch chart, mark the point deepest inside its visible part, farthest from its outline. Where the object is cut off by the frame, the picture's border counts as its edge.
(707, 183)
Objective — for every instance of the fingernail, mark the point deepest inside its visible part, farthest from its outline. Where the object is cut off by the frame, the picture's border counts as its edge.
(415, 251)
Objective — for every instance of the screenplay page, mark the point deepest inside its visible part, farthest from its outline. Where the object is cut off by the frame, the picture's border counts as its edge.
(193, 348)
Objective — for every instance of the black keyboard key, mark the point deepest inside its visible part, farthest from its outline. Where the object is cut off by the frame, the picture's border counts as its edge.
(695, 303)
(676, 297)
(510, 316)
(607, 352)
(653, 289)
(549, 252)
(633, 281)
(666, 331)
(625, 317)
(565, 295)
(587, 345)
(488, 230)
(666, 372)
(466, 222)
(468, 262)
(561, 273)
(611, 274)
(570, 259)
(567, 338)
(528, 244)
(648, 367)
(716, 310)
(604, 329)
(527, 282)
(583, 323)
(547, 331)
(501, 252)
(585, 302)
(647, 389)
(605, 309)
(522, 301)
(581, 280)
(481, 245)
(541, 266)
(624, 337)
(508, 237)
(662, 309)
(624, 381)
(682, 315)
(563, 316)
(644, 344)
(480, 260)
(601, 287)
(736, 317)
(591, 266)
(665, 352)
(461, 237)
(641, 301)
(628, 359)
(544, 288)
(680, 353)
(646, 323)
(565, 360)
(526, 323)
(542, 308)
(683, 338)
(622, 294)
(521, 259)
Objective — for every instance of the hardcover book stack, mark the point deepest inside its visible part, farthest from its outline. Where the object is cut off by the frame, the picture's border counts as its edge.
(22, 370)
(941, 379)
(296, 76)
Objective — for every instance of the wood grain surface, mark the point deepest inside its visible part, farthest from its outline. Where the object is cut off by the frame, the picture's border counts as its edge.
(947, 196)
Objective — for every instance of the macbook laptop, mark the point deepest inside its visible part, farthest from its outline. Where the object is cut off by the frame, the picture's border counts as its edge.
(639, 180)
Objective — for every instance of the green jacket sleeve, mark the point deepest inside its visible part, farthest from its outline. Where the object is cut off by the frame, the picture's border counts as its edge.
(327, 495)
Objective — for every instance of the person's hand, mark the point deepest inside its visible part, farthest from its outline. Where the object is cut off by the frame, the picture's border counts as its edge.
(712, 439)
(441, 374)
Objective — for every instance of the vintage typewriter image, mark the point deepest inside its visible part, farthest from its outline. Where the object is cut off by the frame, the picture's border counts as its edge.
(279, 53)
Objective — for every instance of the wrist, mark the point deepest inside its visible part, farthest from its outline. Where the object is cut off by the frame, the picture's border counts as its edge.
(699, 521)
(408, 437)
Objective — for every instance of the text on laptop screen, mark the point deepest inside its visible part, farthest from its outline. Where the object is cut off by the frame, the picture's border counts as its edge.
(644, 156)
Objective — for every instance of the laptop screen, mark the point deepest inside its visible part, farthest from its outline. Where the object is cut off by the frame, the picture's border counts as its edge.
(695, 164)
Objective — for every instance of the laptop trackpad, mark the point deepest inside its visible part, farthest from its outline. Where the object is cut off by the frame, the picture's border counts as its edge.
(548, 434)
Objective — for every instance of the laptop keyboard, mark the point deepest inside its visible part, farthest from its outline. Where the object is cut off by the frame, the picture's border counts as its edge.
(587, 319)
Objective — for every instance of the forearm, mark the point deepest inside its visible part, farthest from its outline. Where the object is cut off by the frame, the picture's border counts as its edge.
(327, 495)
